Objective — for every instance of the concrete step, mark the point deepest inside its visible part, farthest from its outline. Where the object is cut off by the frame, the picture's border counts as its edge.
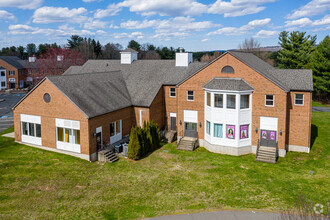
(267, 153)
(269, 149)
(266, 160)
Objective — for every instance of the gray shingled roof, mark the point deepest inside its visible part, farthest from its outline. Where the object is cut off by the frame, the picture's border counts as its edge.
(143, 78)
(13, 61)
(295, 79)
(73, 70)
(129, 50)
(229, 84)
(94, 93)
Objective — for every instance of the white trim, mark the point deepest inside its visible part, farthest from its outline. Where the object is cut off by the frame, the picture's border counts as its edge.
(117, 136)
(64, 123)
(140, 114)
(30, 118)
(172, 114)
(193, 95)
(269, 123)
(174, 92)
(190, 116)
(228, 91)
(269, 100)
(295, 98)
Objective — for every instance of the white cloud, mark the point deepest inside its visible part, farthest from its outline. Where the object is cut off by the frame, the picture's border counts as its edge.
(46, 15)
(95, 24)
(323, 21)
(314, 7)
(62, 31)
(101, 32)
(302, 22)
(23, 4)
(234, 31)
(113, 26)
(5, 15)
(205, 39)
(265, 34)
(236, 8)
(111, 10)
(133, 35)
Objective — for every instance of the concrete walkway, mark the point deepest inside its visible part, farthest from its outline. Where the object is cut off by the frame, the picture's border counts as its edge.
(226, 215)
(320, 109)
(9, 135)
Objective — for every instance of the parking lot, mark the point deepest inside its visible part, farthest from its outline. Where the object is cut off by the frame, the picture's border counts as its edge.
(7, 101)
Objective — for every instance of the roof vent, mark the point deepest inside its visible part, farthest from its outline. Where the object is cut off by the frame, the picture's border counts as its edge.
(128, 56)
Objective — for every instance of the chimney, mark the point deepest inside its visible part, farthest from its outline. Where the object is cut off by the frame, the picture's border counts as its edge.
(128, 56)
(183, 58)
(32, 59)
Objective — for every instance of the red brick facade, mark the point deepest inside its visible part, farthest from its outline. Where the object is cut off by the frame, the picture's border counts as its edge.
(18, 74)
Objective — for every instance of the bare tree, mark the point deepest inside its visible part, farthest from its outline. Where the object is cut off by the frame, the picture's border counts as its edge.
(249, 45)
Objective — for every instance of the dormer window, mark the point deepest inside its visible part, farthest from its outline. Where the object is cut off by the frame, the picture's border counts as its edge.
(227, 69)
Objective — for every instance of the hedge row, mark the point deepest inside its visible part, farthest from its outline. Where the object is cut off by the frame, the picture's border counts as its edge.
(143, 140)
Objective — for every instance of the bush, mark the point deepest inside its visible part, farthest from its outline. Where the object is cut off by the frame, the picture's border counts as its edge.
(143, 140)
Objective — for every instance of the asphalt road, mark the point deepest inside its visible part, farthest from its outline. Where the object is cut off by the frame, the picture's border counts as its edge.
(320, 109)
(7, 101)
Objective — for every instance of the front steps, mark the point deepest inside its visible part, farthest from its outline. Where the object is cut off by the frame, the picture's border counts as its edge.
(107, 156)
(187, 143)
(266, 154)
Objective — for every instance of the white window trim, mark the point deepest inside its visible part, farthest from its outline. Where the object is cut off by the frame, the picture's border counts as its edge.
(193, 95)
(266, 100)
(171, 92)
(120, 128)
(295, 98)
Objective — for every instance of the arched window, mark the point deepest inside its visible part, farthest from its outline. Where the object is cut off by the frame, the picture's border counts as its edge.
(227, 69)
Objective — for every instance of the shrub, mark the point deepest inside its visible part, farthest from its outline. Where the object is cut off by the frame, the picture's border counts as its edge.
(143, 140)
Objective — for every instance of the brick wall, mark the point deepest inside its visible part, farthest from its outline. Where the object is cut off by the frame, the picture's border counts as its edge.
(157, 109)
(126, 115)
(8, 68)
(58, 107)
(171, 105)
(262, 86)
(299, 120)
(145, 115)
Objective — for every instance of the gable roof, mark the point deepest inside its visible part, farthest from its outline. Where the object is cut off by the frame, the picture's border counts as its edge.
(230, 84)
(13, 61)
(94, 93)
(295, 79)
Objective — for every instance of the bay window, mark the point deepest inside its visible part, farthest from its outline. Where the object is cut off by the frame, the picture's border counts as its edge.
(231, 101)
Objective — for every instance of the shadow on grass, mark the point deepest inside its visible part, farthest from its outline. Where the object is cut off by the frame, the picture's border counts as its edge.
(314, 134)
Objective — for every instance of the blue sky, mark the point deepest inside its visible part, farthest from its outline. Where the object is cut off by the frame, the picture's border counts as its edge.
(193, 24)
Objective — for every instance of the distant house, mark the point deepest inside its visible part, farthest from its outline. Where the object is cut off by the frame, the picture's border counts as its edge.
(231, 105)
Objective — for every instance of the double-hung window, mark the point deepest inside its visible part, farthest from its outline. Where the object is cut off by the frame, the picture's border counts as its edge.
(208, 99)
(115, 128)
(218, 100)
(299, 99)
(173, 92)
(218, 130)
(245, 101)
(190, 95)
(269, 100)
(11, 72)
(231, 101)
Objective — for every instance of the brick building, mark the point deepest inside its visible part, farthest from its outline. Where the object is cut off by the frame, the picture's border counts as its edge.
(231, 105)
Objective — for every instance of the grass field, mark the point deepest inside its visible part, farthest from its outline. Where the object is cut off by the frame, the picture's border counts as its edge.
(319, 104)
(46, 185)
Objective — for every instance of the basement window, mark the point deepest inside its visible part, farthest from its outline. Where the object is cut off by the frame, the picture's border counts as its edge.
(299, 99)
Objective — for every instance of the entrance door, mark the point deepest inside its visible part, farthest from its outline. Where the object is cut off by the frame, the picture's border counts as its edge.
(12, 85)
(173, 123)
(268, 138)
(99, 140)
(190, 129)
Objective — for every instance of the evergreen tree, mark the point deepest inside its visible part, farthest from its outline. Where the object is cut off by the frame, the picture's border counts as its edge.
(31, 49)
(134, 45)
(134, 146)
(74, 41)
(296, 49)
(320, 64)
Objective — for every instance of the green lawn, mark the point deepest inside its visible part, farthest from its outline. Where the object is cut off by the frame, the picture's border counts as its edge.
(319, 104)
(46, 185)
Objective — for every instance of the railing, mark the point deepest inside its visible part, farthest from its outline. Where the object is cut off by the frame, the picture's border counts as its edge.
(258, 146)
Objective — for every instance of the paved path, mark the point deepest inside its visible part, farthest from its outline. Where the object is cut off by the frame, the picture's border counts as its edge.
(320, 109)
(226, 215)
(8, 100)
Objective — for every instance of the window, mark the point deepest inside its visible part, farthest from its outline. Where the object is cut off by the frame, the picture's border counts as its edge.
(269, 100)
(218, 130)
(227, 69)
(11, 72)
(245, 101)
(190, 95)
(68, 135)
(115, 128)
(208, 127)
(31, 129)
(21, 83)
(112, 129)
(231, 101)
(244, 131)
(299, 99)
(208, 99)
(172, 92)
(3, 84)
(3, 73)
(218, 100)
